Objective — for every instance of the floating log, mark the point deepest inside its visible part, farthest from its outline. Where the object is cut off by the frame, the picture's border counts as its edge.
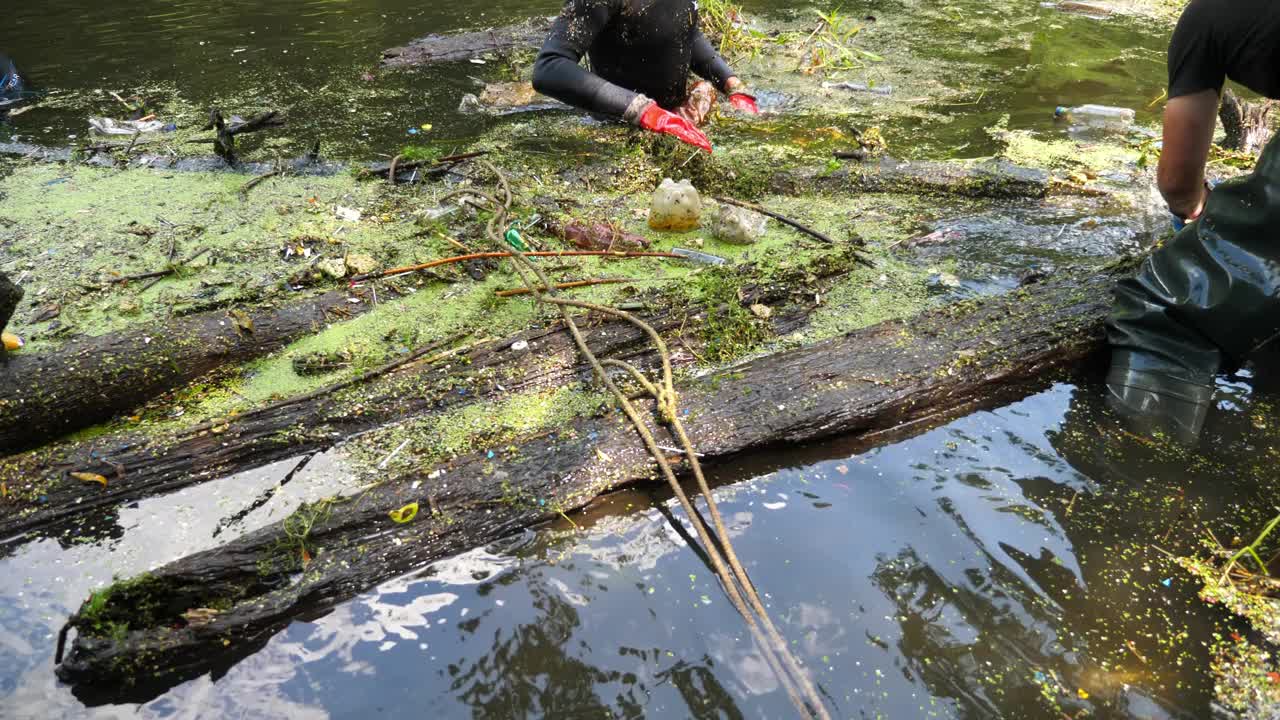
(41, 493)
(989, 179)
(455, 47)
(138, 640)
(84, 382)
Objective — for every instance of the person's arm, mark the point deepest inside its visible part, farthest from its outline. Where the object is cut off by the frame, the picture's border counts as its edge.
(708, 65)
(1188, 132)
(557, 72)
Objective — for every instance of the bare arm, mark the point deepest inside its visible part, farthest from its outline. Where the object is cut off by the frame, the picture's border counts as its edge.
(1188, 132)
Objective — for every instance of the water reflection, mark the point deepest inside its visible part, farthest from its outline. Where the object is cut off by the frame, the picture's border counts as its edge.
(1001, 566)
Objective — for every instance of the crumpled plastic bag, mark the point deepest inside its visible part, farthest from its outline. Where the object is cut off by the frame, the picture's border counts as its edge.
(108, 126)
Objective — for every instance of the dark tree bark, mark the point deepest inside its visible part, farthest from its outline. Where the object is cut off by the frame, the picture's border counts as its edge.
(994, 179)
(85, 382)
(887, 378)
(41, 493)
(10, 296)
(1247, 125)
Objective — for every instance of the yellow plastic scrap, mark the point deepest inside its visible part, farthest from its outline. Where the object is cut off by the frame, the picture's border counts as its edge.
(90, 477)
(405, 514)
(11, 341)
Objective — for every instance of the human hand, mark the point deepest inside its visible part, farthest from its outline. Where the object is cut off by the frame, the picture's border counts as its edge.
(655, 119)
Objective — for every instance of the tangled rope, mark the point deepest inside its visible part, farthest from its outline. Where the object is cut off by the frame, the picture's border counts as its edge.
(724, 560)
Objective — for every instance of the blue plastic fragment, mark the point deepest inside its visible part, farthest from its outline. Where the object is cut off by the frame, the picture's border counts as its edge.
(413, 131)
(1167, 582)
(489, 454)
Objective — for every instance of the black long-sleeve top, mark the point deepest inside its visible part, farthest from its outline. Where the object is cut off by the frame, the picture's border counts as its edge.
(634, 47)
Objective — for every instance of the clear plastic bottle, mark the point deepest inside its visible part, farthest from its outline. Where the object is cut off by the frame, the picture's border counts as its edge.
(1096, 115)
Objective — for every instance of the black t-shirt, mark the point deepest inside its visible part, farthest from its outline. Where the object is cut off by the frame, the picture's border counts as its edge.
(1220, 39)
(634, 46)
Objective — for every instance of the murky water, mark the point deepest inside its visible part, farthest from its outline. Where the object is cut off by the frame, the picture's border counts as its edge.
(1007, 564)
(313, 59)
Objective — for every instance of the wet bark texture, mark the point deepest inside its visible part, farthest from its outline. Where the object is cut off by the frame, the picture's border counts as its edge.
(85, 382)
(884, 378)
(455, 47)
(1247, 125)
(138, 466)
(993, 179)
(10, 296)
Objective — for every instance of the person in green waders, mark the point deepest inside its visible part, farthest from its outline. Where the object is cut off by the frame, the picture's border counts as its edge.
(641, 53)
(1210, 296)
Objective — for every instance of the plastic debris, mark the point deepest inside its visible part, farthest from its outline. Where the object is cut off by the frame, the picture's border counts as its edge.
(859, 87)
(405, 514)
(108, 126)
(698, 257)
(586, 235)
(11, 341)
(520, 345)
(676, 206)
(348, 214)
(739, 226)
(514, 240)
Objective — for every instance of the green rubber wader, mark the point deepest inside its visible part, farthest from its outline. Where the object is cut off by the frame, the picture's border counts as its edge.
(1207, 298)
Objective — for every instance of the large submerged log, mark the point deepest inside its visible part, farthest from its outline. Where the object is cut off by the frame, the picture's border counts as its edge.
(85, 382)
(990, 179)
(455, 47)
(871, 381)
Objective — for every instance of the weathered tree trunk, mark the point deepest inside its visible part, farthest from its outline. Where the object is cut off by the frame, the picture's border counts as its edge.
(10, 296)
(868, 382)
(1247, 125)
(995, 179)
(455, 47)
(85, 382)
(41, 493)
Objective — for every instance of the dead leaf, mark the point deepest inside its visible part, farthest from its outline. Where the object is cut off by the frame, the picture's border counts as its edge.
(243, 322)
(196, 617)
(405, 514)
(90, 477)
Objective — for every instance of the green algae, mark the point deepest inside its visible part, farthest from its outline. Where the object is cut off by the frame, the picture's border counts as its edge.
(493, 424)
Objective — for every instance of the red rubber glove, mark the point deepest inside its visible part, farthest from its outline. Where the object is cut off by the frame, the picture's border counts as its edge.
(655, 119)
(744, 102)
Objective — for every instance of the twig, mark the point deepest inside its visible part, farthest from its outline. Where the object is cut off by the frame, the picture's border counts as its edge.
(485, 255)
(780, 218)
(792, 223)
(244, 189)
(565, 286)
(159, 275)
(383, 465)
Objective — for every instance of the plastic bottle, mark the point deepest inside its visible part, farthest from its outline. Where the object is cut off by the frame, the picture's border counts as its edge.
(676, 206)
(1096, 115)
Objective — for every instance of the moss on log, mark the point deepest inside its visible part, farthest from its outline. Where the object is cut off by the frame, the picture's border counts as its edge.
(85, 382)
(881, 379)
(42, 494)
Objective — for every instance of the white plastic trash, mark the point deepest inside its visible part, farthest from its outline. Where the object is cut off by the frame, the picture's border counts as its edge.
(676, 206)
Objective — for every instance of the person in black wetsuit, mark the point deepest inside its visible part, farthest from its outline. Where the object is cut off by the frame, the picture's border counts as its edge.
(1211, 295)
(641, 53)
